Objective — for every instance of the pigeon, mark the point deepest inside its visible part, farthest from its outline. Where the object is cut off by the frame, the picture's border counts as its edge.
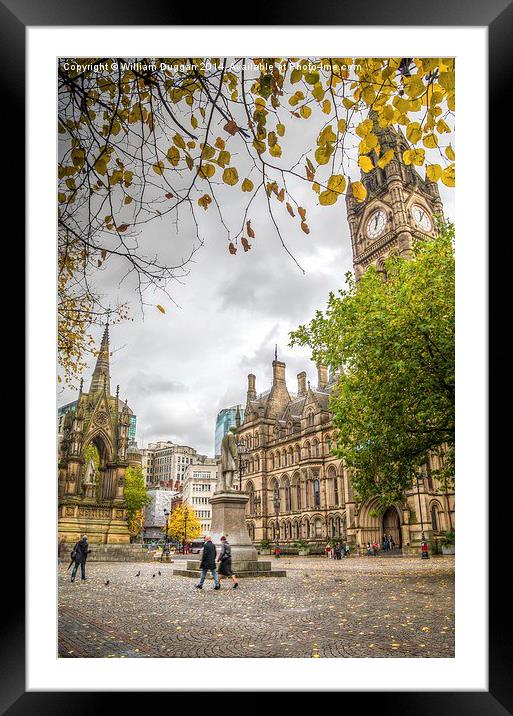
(107, 582)
(138, 573)
(153, 576)
(160, 572)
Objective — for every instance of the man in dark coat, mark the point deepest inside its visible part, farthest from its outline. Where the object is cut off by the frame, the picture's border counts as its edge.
(208, 562)
(79, 556)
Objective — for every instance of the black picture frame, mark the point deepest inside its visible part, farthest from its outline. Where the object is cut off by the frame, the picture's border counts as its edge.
(497, 16)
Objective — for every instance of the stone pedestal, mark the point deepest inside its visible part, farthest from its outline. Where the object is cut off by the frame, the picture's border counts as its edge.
(228, 519)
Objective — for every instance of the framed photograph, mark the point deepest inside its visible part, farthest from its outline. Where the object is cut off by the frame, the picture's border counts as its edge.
(268, 366)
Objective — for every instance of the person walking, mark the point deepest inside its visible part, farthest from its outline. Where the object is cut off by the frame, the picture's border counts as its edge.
(208, 562)
(79, 556)
(328, 550)
(225, 562)
(338, 551)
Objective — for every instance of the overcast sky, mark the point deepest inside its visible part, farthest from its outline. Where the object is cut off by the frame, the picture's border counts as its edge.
(179, 369)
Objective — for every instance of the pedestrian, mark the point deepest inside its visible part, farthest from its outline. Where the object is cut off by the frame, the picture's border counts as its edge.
(338, 551)
(391, 541)
(369, 551)
(375, 548)
(328, 550)
(347, 551)
(277, 550)
(385, 543)
(225, 562)
(208, 562)
(79, 556)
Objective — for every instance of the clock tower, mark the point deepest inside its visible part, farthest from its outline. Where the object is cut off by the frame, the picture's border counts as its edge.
(400, 207)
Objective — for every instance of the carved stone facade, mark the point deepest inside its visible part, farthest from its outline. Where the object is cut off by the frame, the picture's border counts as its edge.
(297, 488)
(95, 505)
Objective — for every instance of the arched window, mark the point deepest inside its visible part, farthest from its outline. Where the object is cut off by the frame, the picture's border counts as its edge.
(318, 528)
(287, 496)
(257, 463)
(296, 530)
(317, 493)
(434, 518)
(298, 494)
(273, 461)
(308, 450)
(298, 453)
(284, 458)
(278, 461)
(291, 456)
(335, 490)
(310, 419)
(276, 497)
(317, 448)
(306, 528)
(251, 492)
(256, 440)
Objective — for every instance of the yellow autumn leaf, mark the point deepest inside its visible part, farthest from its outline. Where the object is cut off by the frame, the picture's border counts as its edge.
(173, 156)
(328, 197)
(204, 201)
(230, 176)
(323, 154)
(359, 191)
(365, 163)
(280, 130)
(158, 168)
(337, 183)
(448, 176)
(326, 106)
(433, 172)
(247, 185)
(449, 153)
(161, 308)
(206, 171)
(305, 111)
(364, 128)
(179, 141)
(414, 156)
(275, 150)
(386, 158)
(413, 132)
(342, 125)
(430, 141)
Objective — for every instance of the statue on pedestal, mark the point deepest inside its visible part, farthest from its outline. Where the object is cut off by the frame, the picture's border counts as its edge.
(229, 462)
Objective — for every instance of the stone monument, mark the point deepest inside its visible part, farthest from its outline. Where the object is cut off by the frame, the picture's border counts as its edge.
(228, 508)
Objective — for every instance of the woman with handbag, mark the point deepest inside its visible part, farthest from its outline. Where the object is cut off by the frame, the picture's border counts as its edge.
(225, 562)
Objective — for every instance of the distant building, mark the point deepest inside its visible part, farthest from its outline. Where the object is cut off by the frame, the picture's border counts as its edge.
(161, 499)
(226, 418)
(164, 463)
(198, 487)
(61, 413)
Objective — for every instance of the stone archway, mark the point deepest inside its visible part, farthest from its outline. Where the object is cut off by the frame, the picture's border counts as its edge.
(391, 525)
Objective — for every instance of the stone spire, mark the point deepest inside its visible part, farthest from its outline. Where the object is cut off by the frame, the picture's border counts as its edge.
(101, 375)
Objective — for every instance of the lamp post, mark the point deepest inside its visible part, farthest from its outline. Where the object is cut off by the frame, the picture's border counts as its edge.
(165, 550)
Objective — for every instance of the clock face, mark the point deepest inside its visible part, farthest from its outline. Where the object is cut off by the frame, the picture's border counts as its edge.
(421, 217)
(376, 224)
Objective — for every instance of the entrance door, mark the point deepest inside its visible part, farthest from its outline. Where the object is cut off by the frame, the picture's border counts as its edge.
(392, 525)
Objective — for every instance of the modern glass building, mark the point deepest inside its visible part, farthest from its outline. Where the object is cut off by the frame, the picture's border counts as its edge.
(61, 412)
(224, 421)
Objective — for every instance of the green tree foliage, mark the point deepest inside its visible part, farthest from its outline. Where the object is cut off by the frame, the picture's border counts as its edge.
(393, 342)
(166, 138)
(136, 498)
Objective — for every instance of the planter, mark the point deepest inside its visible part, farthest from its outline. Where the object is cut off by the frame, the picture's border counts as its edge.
(303, 552)
(264, 551)
(448, 549)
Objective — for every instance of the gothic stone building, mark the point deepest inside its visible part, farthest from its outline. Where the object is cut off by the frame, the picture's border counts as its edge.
(297, 488)
(92, 502)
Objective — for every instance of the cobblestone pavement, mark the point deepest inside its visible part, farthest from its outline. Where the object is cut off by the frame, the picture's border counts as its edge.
(355, 607)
